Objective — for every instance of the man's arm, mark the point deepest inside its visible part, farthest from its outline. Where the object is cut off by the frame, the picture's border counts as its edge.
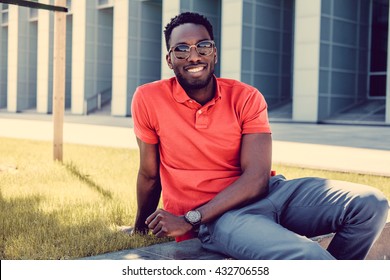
(148, 184)
(256, 160)
(256, 157)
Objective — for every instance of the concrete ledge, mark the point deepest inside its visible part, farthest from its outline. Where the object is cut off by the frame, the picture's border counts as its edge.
(186, 250)
(192, 250)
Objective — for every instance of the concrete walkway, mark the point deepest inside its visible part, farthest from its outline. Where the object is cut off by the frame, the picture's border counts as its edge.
(362, 149)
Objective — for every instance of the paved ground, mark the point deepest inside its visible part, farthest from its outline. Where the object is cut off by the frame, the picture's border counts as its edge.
(364, 149)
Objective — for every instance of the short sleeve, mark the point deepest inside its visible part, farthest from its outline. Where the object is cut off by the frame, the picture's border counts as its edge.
(255, 115)
(144, 128)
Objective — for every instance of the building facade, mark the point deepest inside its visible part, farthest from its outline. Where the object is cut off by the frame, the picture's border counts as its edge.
(313, 60)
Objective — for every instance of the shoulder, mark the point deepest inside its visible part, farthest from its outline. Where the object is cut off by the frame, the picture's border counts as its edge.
(155, 87)
(238, 90)
(153, 92)
(145, 95)
(235, 86)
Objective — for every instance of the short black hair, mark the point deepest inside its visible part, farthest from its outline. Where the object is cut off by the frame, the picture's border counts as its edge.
(187, 17)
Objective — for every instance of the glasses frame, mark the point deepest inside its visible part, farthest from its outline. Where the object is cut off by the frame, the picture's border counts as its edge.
(190, 47)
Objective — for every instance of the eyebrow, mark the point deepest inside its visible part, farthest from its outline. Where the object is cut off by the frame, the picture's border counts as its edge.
(184, 43)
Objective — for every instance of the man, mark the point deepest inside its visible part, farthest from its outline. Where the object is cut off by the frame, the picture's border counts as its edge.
(205, 142)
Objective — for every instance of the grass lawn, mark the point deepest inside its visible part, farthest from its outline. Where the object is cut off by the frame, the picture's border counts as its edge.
(52, 210)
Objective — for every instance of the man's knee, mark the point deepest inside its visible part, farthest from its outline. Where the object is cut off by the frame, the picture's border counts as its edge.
(375, 202)
(374, 206)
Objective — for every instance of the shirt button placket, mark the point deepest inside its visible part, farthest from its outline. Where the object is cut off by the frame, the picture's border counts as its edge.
(201, 119)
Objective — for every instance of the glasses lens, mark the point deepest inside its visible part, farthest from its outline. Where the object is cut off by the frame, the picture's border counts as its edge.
(205, 47)
(182, 51)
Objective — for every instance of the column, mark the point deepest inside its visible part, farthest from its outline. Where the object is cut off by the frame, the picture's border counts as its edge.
(45, 60)
(231, 49)
(13, 38)
(79, 49)
(3, 56)
(22, 51)
(306, 60)
(170, 9)
(119, 103)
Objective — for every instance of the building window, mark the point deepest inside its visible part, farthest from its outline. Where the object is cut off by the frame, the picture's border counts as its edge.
(4, 15)
(105, 4)
(33, 14)
(69, 5)
(378, 52)
(4, 18)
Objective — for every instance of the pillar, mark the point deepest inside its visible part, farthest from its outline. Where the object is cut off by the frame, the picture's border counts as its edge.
(306, 60)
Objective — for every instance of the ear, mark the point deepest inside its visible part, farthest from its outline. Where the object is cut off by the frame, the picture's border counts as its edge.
(215, 56)
(169, 61)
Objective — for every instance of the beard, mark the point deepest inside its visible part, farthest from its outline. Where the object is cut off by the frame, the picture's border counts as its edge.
(196, 84)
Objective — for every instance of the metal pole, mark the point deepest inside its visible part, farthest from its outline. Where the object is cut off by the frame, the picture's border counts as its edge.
(35, 5)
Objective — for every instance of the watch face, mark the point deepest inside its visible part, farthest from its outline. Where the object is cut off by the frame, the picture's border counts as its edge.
(193, 216)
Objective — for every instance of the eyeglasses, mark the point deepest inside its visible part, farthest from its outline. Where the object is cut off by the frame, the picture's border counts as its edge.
(203, 48)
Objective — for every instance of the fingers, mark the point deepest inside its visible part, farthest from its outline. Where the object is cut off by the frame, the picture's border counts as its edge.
(163, 223)
(156, 223)
(160, 231)
(155, 218)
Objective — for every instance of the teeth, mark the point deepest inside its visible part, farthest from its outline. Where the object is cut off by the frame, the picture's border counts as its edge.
(194, 70)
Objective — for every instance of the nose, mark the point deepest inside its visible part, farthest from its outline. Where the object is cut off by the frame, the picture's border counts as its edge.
(194, 55)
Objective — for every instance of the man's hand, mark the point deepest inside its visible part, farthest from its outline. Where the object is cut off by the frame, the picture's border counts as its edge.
(163, 223)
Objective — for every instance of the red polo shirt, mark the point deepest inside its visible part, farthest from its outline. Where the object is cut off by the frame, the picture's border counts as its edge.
(199, 145)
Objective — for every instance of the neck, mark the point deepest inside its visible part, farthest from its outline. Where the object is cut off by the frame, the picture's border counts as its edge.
(202, 95)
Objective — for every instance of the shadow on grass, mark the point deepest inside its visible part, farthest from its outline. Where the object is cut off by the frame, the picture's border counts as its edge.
(14, 214)
(28, 233)
(72, 168)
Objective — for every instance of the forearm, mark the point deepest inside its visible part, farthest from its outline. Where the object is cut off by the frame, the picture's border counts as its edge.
(148, 184)
(148, 197)
(243, 191)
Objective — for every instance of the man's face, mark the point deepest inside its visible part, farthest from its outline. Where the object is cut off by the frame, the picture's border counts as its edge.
(196, 71)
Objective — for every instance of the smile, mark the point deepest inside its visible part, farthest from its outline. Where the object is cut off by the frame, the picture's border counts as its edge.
(195, 69)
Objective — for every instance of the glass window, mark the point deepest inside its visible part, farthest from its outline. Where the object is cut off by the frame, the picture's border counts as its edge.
(378, 55)
(379, 33)
(103, 2)
(33, 13)
(4, 18)
(377, 85)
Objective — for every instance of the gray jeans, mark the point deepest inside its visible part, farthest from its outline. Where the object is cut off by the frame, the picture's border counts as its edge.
(280, 225)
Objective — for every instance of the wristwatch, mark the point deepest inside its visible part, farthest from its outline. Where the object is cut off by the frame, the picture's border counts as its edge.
(193, 217)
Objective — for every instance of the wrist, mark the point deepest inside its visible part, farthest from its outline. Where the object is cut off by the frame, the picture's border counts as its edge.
(186, 226)
(194, 218)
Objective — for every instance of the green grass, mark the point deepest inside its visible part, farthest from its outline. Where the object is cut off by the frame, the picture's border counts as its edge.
(52, 210)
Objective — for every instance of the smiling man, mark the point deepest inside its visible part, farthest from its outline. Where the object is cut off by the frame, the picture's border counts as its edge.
(197, 77)
(205, 144)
